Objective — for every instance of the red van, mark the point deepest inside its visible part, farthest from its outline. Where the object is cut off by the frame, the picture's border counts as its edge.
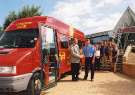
(34, 53)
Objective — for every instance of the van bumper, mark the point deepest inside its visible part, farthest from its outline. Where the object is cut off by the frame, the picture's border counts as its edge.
(14, 83)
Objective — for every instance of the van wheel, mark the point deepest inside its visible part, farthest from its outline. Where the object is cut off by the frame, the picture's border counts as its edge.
(34, 87)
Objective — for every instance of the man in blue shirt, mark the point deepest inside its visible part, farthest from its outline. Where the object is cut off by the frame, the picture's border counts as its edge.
(89, 51)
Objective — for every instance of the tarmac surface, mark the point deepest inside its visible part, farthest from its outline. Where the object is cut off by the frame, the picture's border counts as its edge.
(105, 83)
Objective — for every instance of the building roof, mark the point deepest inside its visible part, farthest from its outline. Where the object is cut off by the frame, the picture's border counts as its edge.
(126, 20)
(103, 33)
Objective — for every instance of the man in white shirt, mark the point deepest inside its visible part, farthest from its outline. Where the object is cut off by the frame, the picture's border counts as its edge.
(75, 60)
(97, 57)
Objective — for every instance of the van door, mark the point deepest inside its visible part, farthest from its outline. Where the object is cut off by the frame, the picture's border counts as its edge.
(49, 53)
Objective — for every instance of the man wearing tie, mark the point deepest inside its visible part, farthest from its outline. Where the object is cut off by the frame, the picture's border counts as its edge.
(89, 51)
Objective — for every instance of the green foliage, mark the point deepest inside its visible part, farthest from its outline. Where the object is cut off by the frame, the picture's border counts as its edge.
(1, 29)
(26, 11)
(11, 17)
(29, 11)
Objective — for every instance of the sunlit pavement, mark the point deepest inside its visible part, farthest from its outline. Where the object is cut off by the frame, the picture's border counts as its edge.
(105, 83)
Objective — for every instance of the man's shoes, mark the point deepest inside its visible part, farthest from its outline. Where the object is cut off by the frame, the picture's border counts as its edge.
(84, 78)
(91, 80)
(74, 79)
(78, 78)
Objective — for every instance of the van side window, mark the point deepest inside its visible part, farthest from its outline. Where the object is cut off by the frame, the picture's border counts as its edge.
(64, 42)
(71, 41)
(80, 44)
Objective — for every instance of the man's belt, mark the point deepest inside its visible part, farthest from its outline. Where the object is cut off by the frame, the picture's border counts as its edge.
(89, 57)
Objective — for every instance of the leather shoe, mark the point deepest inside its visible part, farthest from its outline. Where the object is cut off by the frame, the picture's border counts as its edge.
(92, 80)
(84, 78)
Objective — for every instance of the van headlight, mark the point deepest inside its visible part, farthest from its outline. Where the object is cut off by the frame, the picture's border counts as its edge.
(8, 70)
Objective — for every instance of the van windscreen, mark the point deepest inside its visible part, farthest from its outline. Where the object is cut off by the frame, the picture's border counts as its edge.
(24, 38)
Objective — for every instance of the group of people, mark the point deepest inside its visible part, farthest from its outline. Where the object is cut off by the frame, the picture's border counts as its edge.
(94, 55)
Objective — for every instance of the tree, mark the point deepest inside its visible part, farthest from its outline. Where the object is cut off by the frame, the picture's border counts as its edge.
(29, 11)
(26, 11)
(1, 29)
(11, 17)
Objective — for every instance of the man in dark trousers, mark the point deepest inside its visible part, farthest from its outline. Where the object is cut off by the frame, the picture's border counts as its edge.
(89, 51)
(75, 60)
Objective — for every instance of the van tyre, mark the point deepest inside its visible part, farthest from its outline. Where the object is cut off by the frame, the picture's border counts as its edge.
(34, 87)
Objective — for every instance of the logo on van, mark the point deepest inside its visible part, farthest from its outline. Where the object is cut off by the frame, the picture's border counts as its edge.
(23, 24)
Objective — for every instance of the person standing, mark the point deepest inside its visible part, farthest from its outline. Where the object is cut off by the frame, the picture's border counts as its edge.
(103, 53)
(114, 57)
(75, 60)
(88, 51)
(97, 57)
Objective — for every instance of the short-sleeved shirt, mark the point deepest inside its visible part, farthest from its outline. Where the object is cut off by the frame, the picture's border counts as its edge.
(88, 50)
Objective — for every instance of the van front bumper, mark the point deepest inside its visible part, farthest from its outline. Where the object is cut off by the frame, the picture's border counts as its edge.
(14, 83)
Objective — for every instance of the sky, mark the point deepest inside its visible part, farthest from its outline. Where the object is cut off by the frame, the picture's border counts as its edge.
(89, 16)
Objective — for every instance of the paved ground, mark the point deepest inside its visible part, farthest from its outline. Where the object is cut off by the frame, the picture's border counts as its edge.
(105, 83)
